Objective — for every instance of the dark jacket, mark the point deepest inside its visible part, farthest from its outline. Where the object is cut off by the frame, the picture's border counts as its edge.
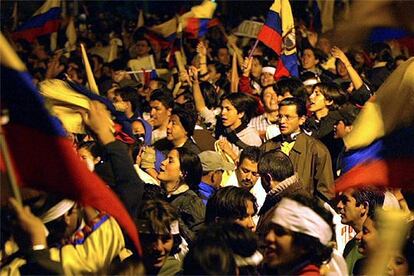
(312, 161)
(128, 186)
(191, 210)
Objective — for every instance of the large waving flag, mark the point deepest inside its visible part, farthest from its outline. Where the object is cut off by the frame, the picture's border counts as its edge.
(45, 20)
(381, 143)
(278, 33)
(43, 157)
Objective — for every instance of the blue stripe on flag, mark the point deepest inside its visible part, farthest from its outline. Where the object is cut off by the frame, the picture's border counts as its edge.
(41, 19)
(273, 21)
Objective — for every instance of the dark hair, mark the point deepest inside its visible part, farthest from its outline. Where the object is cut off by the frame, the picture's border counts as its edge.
(129, 94)
(209, 257)
(382, 52)
(372, 195)
(229, 203)
(190, 166)
(292, 85)
(332, 92)
(209, 94)
(300, 105)
(233, 237)
(252, 153)
(164, 96)
(155, 217)
(243, 103)
(277, 164)
(319, 54)
(153, 192)
(95, 149)
(187, 118)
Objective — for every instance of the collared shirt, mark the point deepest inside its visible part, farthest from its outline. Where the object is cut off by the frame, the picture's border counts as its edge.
(262, 123)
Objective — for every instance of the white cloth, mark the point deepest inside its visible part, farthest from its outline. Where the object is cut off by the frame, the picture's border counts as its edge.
(145, 177)
(61, 208)
(296, 217)
(249, 136)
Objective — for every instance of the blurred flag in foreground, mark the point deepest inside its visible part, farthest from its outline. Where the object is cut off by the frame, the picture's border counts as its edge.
(43, 157)
(381, 145)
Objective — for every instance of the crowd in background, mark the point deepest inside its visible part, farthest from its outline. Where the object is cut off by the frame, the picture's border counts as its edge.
(222, 174)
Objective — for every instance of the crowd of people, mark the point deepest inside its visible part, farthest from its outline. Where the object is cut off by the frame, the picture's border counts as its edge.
(223, 173)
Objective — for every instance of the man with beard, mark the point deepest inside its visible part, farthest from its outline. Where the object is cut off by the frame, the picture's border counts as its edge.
(246, 175)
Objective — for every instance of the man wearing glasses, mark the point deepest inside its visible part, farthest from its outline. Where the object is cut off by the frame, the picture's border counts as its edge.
(310, 158)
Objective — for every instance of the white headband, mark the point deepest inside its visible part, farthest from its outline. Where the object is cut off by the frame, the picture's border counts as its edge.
(253, 260)
(57, 211)
(312, 81)
(268, 69)
(298, 218)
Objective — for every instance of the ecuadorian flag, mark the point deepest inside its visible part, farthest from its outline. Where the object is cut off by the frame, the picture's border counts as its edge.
(278, 33)
(44, 21)
(381, 143)
(42, 155)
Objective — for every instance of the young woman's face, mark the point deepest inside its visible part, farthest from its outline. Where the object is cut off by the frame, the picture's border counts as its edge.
(170, 168)
(279, 248)
(317, 100)
(230, 116)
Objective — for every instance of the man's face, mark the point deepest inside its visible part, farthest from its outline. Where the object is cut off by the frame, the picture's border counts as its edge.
(289, 121)
(223, 56)
(159, 114)
(175, 130)
(248, 220)
(340, 130)
(247, 174)
(270, 100)
(256, 68)
(230, 116)
(317, 100)
(142, 48)
(156, 249)
(368, 238)
(279, 249)
(351, 212)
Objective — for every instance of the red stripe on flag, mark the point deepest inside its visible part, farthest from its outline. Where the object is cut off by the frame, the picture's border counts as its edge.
(31, 34)
(398, 173)
(271, 39)
(61, 171)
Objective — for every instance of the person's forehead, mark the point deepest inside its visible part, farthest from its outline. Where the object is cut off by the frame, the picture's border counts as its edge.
(288, 109)
(156, 103)
(226, 103)
(248, 164)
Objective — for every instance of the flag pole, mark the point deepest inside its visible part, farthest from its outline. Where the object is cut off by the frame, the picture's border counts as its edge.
(89, 74)
(253, 48)
(9, 167)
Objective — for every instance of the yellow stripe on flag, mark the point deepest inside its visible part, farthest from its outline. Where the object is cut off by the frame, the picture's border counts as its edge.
(8, 57)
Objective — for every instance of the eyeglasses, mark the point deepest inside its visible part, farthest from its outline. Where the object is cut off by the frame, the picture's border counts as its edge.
(287, 117)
